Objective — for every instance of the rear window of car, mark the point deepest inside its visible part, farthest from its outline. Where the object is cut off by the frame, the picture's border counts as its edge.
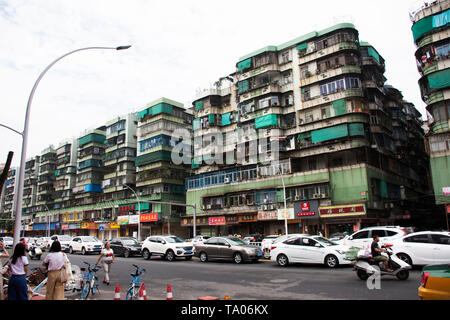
(420, 238)
(440, 239)
(391, 233)
(378, 232)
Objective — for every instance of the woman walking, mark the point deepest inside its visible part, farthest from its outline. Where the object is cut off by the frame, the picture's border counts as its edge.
(54, 261)
(108, 258)
(18, 266)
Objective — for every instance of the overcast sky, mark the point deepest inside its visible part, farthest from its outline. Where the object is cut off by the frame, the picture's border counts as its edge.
(178, 48)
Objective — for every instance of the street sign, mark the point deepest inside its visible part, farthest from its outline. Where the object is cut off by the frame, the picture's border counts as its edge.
(101, 228)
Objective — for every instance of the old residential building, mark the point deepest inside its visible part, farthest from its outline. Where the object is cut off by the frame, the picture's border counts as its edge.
(342, 159)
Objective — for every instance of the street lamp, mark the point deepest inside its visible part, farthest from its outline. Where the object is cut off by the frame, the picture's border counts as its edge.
(18, 204)
(139, 204)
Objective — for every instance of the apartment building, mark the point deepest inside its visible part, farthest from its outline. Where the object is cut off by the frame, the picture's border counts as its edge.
(30, 189)
(321, 103)
(431, 35)
(157, 176)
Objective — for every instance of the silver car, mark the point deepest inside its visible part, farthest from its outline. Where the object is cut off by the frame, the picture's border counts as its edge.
(229, 248)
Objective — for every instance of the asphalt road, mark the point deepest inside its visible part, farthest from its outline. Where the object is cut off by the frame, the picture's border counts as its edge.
(264, 280)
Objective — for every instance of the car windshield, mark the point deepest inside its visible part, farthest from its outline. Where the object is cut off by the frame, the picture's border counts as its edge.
(174, 239)
(129, 241)
(90, 239)
(236, 241)
(8, 238)
(325, 241)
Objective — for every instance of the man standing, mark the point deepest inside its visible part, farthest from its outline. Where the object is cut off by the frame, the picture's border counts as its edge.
(376, 253)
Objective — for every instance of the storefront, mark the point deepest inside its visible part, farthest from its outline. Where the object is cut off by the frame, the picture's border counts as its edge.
(340, 219)
(150, 224)
(308, 212)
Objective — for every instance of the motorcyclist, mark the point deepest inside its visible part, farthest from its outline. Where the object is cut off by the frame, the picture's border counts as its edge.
(376, 253)
(33, 247)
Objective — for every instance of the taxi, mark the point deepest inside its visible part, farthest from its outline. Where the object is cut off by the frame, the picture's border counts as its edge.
(435, 282)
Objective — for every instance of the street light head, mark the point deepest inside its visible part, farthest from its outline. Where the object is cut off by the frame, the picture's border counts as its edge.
(123, 47)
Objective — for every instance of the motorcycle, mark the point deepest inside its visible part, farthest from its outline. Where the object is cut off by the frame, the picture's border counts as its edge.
(365, 267)
(35, 252)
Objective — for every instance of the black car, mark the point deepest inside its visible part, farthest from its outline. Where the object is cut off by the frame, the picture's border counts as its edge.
(126, 246)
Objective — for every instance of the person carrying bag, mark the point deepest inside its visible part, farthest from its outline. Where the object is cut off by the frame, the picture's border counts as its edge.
(58, 267)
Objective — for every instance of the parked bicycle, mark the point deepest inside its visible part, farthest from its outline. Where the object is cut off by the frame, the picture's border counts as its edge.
(89, 281)
(135, 284)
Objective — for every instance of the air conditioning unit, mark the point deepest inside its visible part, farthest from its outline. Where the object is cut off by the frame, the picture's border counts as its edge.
(323, 196)
(227, 180)
(271, 207)
(265, 207)
(203, 207)
(208, 206)
(297, 198)
(316, 196)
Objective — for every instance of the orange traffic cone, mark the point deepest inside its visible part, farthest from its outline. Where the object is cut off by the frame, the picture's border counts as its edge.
(142, 293)
(117, 293)
(169, 293)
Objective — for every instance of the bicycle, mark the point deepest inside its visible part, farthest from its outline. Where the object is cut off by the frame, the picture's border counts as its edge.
(135, 284)
(89, 281)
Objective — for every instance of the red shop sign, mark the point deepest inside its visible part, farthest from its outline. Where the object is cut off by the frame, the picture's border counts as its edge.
(217, 221)
(130, 207)
(149, 217)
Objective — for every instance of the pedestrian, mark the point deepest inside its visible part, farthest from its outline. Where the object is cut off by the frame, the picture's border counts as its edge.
(53, 262)
(18, 267)
(107, 256)
(5, 254)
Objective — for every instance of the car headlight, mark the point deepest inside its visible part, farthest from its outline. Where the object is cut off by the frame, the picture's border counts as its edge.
(340, 252)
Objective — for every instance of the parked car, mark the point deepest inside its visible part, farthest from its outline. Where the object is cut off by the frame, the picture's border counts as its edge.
(126, 246)
(309, 249)
(435, 284)
(266, 244)
(364, 237)
(85, 245)
(7, 241)
(422, 248)
(63, 239)
(229, 248)
(168, 247)
(199, 239)
(337, 236)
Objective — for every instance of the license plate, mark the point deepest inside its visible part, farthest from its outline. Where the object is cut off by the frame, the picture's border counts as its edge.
(188, 252)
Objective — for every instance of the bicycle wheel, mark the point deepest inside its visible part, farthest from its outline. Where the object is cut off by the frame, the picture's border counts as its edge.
(85, 289)
(94, 285)
(132, 293)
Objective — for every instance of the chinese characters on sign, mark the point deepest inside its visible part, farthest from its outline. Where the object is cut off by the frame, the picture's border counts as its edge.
(342, 211)
(267, 215)
(217, 221)
(149, 217)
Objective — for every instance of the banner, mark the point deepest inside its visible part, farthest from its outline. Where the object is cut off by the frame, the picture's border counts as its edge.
(342, 211)
(267, 215)
(217, 221)
(121, 220)
(133, 219)
(288, 214)
(149, 217)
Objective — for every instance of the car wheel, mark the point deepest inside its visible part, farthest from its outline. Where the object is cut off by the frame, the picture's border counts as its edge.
(83, 251)
(126, 253)
(146, 254)
(237, 258)
(203, 257)
(282, 260)
(170, 256)
(188, 258)
(331, 261)
(404, 257)
(362, 274)
(71, 250)
(403, 275)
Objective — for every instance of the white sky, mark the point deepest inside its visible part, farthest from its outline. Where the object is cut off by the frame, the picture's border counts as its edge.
(178, 48)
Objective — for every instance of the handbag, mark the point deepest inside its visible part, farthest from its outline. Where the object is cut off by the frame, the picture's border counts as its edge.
(66, 272)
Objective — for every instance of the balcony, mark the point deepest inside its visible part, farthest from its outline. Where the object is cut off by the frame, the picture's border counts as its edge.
(258, 91)
(305, 58)
(258, 71)
(319, 100)
(330, 73)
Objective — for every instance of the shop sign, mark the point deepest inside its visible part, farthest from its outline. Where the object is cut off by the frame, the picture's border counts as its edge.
(114, 225)
(267, 215)
(232, 219)
(128, 207)
(342, 211)
(306, 209)
(65, 226)
(248, 218)
(88, 225)
(217, 221)
(122, 220)
(73, 226)
(446, 190)
(133, 219)
(285, 214)
(149, 217)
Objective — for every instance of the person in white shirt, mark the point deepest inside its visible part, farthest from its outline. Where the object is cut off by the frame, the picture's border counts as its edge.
(18, 266)
(108, 259)
(54, 261)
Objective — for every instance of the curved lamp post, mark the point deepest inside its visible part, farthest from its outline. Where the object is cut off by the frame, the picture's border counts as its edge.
(18, 204)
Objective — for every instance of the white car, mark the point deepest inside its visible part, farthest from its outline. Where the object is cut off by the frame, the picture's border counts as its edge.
(7, 241)
(199, 239)
(85, 244)
(266, 244)
(364, 237)
(168, 247)
(423, 248)
(63, 239)
(45, 243)
(309, 249)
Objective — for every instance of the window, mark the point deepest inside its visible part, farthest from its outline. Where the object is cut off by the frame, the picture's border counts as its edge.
(361, 235)
(293, 242)
(443, 51)
(323, 90)
(221, 242)
(421, 238)
(440, 239)
(391, 233)
(212, 241)
(378, 232)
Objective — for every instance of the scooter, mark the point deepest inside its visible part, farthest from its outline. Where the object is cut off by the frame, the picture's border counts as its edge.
(365, 267)
(35, 252)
